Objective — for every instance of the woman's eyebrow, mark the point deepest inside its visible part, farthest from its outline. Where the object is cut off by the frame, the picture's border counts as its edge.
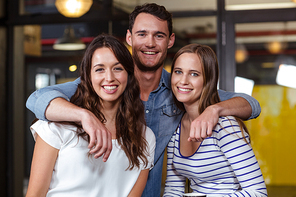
(101, 65)
(116, 63)
(195, 71)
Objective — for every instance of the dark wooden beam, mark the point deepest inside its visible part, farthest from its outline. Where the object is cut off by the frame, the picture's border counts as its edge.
(190, 13)
(266, 15)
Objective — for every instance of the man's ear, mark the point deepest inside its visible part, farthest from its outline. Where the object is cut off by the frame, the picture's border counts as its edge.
(171, 41)
(128, 37)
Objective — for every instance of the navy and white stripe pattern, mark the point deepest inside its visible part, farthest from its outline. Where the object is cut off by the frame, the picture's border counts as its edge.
(223, 165)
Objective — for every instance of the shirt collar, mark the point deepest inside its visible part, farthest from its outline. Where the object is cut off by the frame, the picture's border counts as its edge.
(165, 79)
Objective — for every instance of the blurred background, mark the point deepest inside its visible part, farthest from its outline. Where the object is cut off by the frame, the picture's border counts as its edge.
(255, 41)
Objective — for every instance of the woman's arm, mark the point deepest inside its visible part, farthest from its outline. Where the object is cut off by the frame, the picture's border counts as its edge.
(242, 160)
(43, 163)
(140, 184)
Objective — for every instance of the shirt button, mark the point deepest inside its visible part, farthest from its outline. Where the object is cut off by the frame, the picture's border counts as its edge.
(147, 111)
(174, 111)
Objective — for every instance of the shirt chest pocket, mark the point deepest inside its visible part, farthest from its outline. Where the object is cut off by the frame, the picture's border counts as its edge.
(169, 120)
(171, 110)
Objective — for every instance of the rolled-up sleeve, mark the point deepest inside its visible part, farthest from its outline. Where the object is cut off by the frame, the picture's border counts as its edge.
(256, 109)
(39, 100)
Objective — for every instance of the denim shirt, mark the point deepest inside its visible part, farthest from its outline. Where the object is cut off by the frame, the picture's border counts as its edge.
(161, 114)
(163, 117)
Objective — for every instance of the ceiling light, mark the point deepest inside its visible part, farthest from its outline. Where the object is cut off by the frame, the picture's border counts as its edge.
(69, 42)
(260, 6)
(72, 68)
(276, 47)
(241, 53)
(73, 8)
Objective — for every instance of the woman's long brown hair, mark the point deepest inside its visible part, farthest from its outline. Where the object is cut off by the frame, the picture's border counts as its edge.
(130, 118)
(210, 69)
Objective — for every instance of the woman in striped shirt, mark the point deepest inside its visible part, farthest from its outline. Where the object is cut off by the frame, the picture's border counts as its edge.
(223, 164)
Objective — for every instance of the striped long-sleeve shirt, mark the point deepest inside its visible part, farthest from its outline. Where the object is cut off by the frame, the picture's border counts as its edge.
(223, 165)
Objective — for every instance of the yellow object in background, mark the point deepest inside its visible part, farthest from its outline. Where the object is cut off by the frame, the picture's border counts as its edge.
(273, 134)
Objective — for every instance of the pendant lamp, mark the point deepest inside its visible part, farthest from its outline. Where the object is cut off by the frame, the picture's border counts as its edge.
(73, 8)
(69, 42)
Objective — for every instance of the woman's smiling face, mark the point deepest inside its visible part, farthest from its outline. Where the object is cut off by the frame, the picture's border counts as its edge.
(187, 78)
(108, 76)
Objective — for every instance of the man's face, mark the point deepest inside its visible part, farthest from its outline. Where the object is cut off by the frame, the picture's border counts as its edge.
(150, 40)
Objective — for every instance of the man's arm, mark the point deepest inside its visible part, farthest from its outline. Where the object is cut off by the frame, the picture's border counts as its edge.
(240, 105)
(52, 103)
(100, 143)
(39, 100)
(253, 103)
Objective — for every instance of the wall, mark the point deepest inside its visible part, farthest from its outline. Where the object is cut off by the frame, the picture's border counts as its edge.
(273, 134)
(2, 111)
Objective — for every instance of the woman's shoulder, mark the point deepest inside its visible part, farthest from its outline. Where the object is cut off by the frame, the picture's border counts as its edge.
(226, 124)
(227, 120)
(53, 131)
(229, 130)
(57, 127)
(149, 135)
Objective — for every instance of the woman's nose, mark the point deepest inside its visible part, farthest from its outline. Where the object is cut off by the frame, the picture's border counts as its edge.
(184, 79)
(109, 76)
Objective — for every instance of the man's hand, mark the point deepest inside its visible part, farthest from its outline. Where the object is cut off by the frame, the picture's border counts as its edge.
(203, 125)
(100, 138)
(100, 144)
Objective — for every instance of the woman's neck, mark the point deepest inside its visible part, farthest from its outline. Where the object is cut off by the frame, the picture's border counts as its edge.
(192, 112)
(188, 148)
(110, 112)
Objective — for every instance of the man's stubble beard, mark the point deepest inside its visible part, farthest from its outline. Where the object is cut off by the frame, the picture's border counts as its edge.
(145, 68)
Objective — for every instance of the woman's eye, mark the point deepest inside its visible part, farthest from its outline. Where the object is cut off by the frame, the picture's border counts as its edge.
(178, 72)
(99, 70)
(118, 68)
(194, 74)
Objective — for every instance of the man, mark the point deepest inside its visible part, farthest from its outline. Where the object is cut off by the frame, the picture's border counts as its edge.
(150, 35)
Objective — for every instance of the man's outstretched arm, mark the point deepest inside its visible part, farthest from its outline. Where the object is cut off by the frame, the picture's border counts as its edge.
(240, 105)
(39, 100)
(252, 112)
(100, 138)
(52, 103)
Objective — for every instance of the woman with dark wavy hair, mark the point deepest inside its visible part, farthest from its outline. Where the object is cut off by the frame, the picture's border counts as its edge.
(223, 164)
(62, 165)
